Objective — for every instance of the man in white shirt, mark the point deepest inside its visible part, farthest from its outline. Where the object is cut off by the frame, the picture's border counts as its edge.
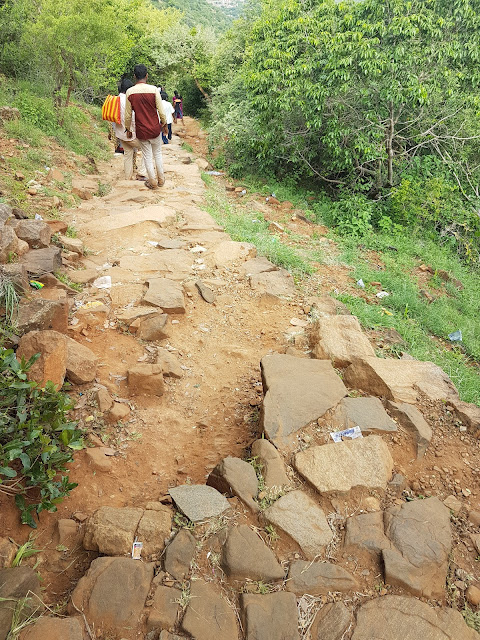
(169, 111)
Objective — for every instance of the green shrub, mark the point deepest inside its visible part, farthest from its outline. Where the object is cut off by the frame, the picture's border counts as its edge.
(36, 439)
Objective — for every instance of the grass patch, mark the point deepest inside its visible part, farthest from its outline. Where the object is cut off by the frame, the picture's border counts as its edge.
(252, 227)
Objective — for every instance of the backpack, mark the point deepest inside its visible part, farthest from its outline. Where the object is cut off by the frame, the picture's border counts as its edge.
(111, 109)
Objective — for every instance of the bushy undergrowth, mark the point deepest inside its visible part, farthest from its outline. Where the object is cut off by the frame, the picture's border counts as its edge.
(71, 127)
(36, 440)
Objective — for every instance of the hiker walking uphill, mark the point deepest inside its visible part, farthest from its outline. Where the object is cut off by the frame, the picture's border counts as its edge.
(145, 101)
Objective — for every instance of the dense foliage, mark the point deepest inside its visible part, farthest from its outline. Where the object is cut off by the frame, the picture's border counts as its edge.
(376, 98)
(36, 439)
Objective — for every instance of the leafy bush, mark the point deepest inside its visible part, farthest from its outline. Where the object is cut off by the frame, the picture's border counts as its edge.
(36, 439)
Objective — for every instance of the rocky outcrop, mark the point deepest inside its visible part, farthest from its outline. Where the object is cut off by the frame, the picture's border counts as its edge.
(81, 364)
(367, 413)
(52, 363)
(411, 419)
(316, 578)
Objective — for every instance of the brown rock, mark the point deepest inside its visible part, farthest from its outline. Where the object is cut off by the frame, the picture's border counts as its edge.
(297, 391)
(473, 595)
(419, 568)
(104, 400)
(111, 530)
(273, 468)
(179, 554)
(119, 411)
(83, 276)
(153, 528)
(205, 291)
(8, 551)
(208, 615)
(165, 293)
(54, 629)
(270, 617)
(316, 578)
(469, 414)
(41, 315)
(278, 283)
(40, 261)
(340, 339)
(367, 413)
(366, 531)
(81, 363)
(93, 316)
(112, 595)
(340, 466)
(402, 618)
(169, 363)
(17, 274)
(246, 556)
(165, 609)
(34, 232)
(256, 266)
(153, 327)
(57, 226)
(229, 252)
(452, 503)
(410, 418)
(145, 379)
(233, 476)
(8, 244)
(52, 363)
(331, 622)
(98, 460)
(82, 193)
(71, 244)
(328, 306)
(68, 533)
(19, 583)
(400, 380)
(303, 520)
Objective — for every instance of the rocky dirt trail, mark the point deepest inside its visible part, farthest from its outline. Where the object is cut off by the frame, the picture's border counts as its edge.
(374, 537)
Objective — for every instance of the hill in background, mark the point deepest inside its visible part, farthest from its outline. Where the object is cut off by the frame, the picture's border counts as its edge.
(217, 14)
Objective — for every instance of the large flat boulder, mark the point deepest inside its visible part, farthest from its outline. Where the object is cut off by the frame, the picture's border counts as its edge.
(163, 216)
(341, 466)
(175, 264)
(297, 391)
(316, 578)
(165, 293)
(403, 618)
(208, 615)
(367, 413)
(198, 501)
(164, 612)
(246, 556)
(112, 595)
(340, 339)
(270, 617)
(400, 380)
(421, 536)
(302, 519)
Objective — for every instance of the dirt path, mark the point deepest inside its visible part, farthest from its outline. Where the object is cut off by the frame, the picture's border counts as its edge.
(212, 411)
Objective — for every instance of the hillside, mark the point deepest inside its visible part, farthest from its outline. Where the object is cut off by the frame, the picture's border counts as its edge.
(217, 14)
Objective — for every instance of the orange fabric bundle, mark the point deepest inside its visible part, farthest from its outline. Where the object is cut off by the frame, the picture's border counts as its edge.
(111, 109)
